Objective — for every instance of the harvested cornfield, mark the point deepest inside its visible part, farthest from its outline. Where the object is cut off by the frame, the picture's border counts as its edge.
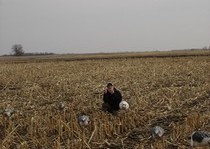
(173, 93)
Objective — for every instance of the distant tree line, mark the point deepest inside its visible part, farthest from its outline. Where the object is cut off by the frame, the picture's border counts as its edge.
(38, 53)
(17, 50)
(206, 48)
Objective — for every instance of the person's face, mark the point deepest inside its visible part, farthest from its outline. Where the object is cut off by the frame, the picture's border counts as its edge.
(110, 89)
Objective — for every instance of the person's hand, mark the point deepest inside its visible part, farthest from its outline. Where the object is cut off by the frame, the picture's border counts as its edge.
(111, 91)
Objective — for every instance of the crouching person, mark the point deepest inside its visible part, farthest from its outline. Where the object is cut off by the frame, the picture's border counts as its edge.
(112, 98)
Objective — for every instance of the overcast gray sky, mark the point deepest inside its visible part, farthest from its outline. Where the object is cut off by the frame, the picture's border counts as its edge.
(83, 26)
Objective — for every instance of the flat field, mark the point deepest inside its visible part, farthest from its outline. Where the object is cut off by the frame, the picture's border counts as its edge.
(172, 92)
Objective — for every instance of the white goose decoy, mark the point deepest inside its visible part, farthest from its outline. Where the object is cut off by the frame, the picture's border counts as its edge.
(124, 105)
(83, 120)
(157, 131)
(60, 105)
(199, 138)
(8, 112)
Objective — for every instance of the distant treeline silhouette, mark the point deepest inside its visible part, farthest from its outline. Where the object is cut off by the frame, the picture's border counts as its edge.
(38, 53)
(33, 54)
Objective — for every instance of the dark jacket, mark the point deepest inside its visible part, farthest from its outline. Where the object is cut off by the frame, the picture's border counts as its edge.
(113, 100)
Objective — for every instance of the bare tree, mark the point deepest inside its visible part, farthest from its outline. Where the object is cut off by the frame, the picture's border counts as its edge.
(17, 49)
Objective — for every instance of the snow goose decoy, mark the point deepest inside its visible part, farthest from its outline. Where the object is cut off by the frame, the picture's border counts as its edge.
(60, 105)
(199, 138)
(124, 105)
(83, 120)
(157, 131)
(8, 112)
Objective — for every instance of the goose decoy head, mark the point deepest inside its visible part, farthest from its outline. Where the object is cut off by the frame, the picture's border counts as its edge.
(199, 138)
(157, 131)
(83, 120)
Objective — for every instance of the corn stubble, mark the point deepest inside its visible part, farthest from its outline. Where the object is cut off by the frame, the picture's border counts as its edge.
(171, 92)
